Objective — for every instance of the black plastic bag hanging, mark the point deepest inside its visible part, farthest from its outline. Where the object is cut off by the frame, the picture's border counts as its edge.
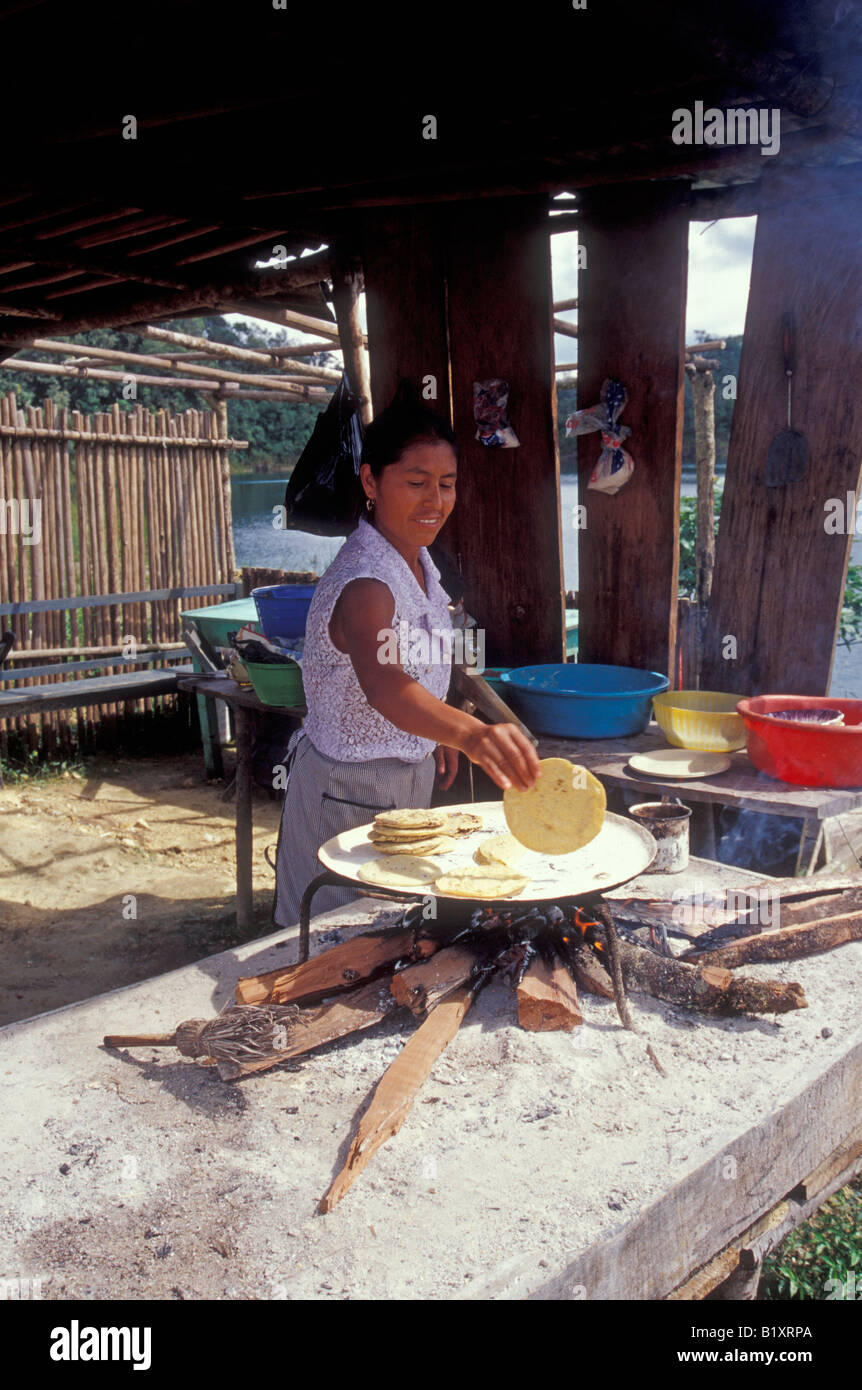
(322, 489)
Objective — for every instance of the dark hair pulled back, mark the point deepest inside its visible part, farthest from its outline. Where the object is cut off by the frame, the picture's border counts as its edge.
(405, 421)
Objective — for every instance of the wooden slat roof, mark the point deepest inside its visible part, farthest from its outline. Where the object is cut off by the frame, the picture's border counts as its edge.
(265, 128)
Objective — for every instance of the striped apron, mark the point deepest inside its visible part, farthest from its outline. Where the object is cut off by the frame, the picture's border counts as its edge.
(324, 797)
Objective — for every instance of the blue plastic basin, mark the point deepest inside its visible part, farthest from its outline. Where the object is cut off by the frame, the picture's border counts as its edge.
(583, 701)
(283, 609)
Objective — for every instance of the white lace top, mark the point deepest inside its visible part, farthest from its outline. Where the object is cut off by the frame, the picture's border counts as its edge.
(340, 722)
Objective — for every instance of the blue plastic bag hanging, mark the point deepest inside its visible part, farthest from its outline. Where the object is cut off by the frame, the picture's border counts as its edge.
(615, 464)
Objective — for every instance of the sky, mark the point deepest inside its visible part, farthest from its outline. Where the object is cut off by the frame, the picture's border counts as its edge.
(719, 268)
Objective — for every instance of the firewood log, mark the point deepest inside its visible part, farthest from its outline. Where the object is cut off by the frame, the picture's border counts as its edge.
(396, 1090)
(590, 973)
(705, 989)
(421, 987)
(341, 968)
(787, 943)
(548, 998)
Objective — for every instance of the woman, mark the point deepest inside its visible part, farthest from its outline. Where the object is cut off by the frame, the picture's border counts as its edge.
(377, 727)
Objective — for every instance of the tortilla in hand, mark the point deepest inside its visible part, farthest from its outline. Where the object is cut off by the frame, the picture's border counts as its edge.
(564, 811)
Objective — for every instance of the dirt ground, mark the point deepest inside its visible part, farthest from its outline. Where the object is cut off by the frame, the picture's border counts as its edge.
(118, 875)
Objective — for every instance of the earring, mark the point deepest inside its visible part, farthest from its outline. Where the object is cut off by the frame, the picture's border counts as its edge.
(369, 504)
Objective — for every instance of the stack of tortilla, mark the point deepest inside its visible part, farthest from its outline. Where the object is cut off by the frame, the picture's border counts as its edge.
(405, 837)
(562, 812)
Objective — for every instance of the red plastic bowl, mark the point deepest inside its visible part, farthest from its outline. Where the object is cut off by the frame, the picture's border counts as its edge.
(809, 755)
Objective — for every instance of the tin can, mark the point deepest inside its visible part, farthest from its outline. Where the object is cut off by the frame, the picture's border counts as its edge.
(667, 822)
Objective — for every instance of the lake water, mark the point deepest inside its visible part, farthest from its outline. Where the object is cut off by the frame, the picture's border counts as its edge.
(257, 542)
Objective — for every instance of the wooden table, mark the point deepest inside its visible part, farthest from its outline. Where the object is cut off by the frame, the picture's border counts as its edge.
(741, 785)
(246, 706)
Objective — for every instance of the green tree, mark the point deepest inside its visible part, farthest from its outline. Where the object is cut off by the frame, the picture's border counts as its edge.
(276, 431)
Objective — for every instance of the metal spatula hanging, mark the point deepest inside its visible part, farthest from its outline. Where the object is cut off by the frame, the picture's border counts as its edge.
(788, 452)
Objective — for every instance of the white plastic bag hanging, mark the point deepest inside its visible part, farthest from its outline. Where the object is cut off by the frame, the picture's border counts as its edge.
(615, 464)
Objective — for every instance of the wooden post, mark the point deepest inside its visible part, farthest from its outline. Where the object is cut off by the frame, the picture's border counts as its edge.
(703, 396)
(405, 298)
(244, 745)
(631, 315)
(506, 525)
(347, 285)
(779, 572)
(703, 386)
(220, 402)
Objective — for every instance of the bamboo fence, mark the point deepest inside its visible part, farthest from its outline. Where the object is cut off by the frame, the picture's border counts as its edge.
(130, 502)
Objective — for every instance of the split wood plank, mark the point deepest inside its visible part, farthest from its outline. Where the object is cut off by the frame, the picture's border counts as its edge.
(631, 319)
(778, 571)
(396, 1090)
(498, 277)
(337, 969)
(785, 888)
(786, 943)
(739, 1263)
(817, 909)
(421, 987)
(708, 1278)
(548, 998)
(843, 1158)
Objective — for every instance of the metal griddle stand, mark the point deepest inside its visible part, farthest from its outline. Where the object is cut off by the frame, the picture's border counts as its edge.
(330, 879)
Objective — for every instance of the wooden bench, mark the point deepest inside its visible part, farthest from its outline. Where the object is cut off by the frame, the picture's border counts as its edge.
(98, 690)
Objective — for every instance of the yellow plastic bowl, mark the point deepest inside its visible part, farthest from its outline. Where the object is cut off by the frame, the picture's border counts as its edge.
(704, 720)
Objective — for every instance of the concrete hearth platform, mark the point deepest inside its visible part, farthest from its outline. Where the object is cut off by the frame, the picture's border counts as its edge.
(552, 1165)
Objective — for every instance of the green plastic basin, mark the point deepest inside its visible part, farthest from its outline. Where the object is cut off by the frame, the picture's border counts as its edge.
(276, 685)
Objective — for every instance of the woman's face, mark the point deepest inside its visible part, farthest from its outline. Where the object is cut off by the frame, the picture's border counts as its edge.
(414, 497)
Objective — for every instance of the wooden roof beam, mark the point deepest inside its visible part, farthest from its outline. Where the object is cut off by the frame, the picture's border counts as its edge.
(283, 392)
(13, 308)
(38, 253)
(275, 354)
(240, 297)
(48, 214)
(235, 354)
(143, 359)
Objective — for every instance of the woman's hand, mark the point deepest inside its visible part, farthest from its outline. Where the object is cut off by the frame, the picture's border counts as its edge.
(506, 754)
(447, 765)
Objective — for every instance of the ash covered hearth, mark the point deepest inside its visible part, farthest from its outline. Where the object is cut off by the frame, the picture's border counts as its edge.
(433, 970)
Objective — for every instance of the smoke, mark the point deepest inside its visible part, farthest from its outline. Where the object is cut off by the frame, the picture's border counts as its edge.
(756, 841)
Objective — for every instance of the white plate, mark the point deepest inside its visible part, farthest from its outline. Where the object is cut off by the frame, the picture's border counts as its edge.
(621, 850)
(679, 762)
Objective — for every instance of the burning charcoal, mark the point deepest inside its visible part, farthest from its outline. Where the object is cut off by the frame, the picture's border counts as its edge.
(529, 955)
(555, 916)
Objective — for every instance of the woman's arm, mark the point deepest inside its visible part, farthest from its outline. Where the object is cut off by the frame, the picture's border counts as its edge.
(366, 608)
